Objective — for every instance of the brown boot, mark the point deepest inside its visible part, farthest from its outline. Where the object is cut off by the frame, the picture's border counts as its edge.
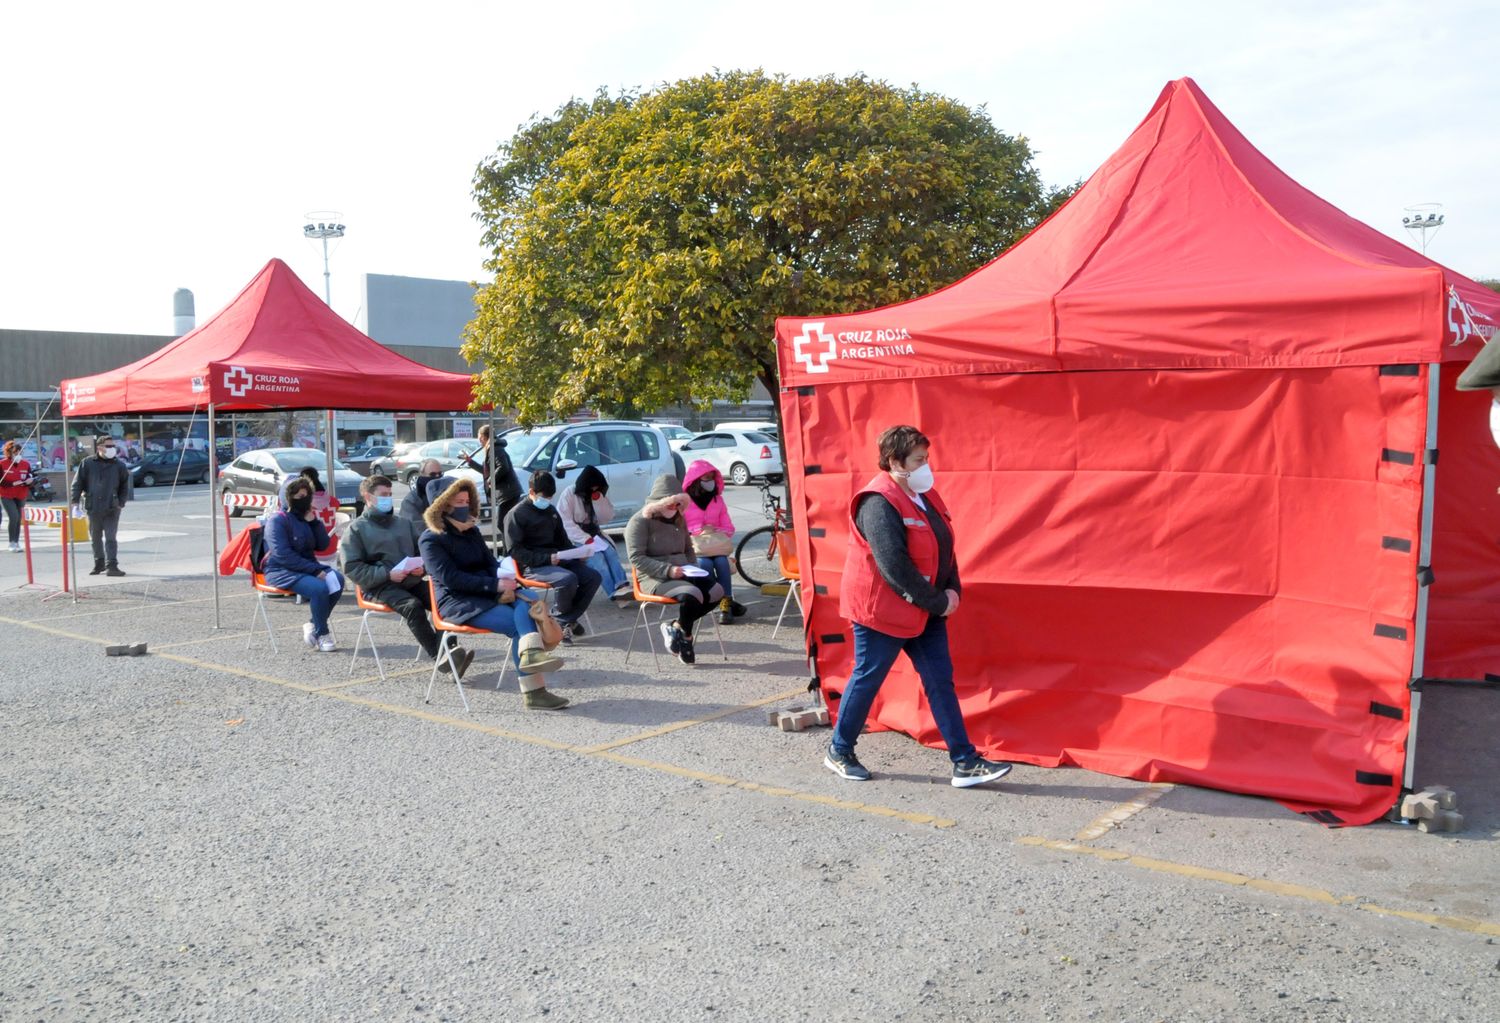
(540, 699)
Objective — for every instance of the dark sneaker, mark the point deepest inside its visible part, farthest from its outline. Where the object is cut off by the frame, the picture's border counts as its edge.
(737, 609)
(567, 635)
(723, 617)
(541, 699)
(577, 628)
(845, 766)
(671, 634)
(98, 568)
(686, 654)
(114, 570)
(978, 771)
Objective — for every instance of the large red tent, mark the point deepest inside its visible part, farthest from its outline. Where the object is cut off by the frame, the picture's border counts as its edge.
(1189, 429)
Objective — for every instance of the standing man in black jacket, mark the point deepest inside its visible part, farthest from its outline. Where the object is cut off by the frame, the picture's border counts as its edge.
(535, 536)
(500, 482)
(100, 490)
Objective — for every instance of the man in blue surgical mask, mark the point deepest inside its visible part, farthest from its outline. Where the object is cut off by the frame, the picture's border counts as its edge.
(380, 557)
(536, 538)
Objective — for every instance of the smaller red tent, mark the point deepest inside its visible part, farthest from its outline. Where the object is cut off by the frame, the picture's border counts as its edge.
(276, 346)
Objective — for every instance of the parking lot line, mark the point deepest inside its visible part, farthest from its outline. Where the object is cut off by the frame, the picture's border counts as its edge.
(1118, 815)
(138, 604)
(1282, 888)
(704, 719)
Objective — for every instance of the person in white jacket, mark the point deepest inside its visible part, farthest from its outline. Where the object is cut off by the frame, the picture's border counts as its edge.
(584, 509)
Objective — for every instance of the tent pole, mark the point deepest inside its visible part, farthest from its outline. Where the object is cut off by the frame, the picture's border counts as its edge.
(333, 489)
(69, 546)
(213, 517)
(489, 487)
(1424, 562)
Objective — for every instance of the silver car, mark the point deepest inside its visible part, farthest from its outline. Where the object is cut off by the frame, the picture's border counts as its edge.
(629, 454)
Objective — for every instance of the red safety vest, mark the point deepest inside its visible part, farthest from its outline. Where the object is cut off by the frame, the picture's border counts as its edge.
(865, 597)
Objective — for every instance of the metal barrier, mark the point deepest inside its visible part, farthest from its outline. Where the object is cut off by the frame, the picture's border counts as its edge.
(59, 517)
(233, 500)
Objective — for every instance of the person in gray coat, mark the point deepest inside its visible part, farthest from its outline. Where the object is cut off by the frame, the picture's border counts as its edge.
(101, 487)
(661, 552)
(374, 545)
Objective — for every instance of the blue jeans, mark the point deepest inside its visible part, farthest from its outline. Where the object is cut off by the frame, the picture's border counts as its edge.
(513, 620)
(718, 567)
(874, 654)
(575, 584)
(319, 600)
(607, 564)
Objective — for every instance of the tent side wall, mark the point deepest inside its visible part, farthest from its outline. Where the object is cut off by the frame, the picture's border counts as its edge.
(1168, 575)
(1463, 638)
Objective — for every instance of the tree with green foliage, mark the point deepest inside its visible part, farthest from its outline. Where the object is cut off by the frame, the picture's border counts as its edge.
(643, 244)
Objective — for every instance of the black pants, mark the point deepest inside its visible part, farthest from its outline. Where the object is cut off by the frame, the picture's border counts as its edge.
(102, 527)
(692, 607)
(413, 606)
(13, 509)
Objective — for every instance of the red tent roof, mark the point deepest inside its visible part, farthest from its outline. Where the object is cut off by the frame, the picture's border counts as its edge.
(1188, 248)
(276, 346)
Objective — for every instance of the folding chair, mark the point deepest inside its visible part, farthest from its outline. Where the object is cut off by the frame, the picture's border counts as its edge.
(642, 600)
(791, 571)
(262, 589)
(545, 589)
(372, 607)
(448, 633)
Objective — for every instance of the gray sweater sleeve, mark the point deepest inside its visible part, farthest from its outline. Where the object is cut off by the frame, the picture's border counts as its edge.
(880, 524)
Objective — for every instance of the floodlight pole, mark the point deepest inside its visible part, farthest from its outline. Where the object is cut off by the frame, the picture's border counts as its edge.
(213, 511)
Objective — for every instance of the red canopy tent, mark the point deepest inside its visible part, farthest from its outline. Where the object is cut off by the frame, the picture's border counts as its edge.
(275, 346)
(1188, 428)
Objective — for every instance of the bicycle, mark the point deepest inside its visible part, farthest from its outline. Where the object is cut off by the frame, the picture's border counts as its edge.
(755, 556)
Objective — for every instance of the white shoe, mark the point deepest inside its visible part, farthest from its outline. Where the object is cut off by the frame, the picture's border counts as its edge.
(326, 644)
(15, 548)
(307, 634)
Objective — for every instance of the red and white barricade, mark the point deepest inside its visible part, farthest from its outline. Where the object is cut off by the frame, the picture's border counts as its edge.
(233, 500)
(59, 517)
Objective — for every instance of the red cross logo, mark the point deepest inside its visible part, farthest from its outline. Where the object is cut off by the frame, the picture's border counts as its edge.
(813, 348)
(237, 380)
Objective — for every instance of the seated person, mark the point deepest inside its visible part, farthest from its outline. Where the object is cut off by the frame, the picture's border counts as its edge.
(470, 591)
(659, 547)
(534, 536)
(711, 527)
(294, 535)
(414, 505)
(325, 506)
(585, 508)
(374, 545)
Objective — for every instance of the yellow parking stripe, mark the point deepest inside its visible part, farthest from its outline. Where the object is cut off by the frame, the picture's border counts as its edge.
(676, 725)
(1118, 815)
(1282, 888)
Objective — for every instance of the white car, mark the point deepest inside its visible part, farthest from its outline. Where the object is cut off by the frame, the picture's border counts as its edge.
(629, 454)
(676, 435)
(740, 455)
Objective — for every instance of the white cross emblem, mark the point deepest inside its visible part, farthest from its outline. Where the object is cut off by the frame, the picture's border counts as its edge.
(804, 350)
(70, 396)
(237, 380)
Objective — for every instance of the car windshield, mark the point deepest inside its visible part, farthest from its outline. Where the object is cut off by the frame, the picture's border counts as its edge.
(296, 461)
(520, 446)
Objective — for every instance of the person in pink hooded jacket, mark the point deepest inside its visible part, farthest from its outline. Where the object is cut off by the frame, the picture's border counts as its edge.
(706, 512)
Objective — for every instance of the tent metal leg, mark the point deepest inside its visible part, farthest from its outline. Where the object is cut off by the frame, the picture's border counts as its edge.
(1424, 562)
(213, 523)
(489, 487)
(70, 548)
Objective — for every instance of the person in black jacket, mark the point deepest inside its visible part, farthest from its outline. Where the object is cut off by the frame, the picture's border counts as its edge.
(414, 505)
(470, 590)
(535, 536)
(499, 473)
(100, 489)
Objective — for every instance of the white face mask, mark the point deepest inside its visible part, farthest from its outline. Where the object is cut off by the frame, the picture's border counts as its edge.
(709, 486)
(108, 452)
(920, 480)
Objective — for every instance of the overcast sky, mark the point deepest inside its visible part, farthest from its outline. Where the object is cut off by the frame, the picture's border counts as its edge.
(159, 145)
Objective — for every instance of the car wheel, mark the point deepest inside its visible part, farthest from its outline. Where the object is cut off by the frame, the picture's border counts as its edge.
(234, 513)
(739, 474)
(410, 477)
(147, 479)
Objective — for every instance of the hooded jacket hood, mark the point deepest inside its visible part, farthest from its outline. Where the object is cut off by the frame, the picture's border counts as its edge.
(442, 503)
(589, 479)
(665, 485)
(281, 491)
(437, 486)
(698, 469)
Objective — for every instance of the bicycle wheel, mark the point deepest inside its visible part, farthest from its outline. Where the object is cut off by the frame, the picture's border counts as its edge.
(755, 557)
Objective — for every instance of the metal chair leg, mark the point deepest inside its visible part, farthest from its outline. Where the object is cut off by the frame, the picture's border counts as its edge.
(793, 590)
(365, 633)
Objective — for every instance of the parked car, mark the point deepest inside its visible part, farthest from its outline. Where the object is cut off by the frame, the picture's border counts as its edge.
(448, 453)
(741, 455)
(264, 470)
(759, 425)
(385, 465)
(172, 467)
(363, 458)
(629, 454)
(676, 435)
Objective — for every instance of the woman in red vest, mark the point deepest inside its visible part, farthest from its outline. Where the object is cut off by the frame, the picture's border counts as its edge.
(900, 585)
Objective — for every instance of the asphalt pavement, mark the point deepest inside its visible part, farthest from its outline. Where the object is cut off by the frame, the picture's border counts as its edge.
(218, 831)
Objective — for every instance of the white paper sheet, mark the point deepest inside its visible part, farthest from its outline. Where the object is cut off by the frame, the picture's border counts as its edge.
(694, 572)
(334, 580)
(407, 564)
(576, 553)
(507, 569)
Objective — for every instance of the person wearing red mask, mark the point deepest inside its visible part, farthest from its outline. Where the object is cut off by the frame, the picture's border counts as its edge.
(585, 508)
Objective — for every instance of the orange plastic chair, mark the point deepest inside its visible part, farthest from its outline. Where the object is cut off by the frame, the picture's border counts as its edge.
(371, 607)
(643, 600)
(262, 590)
(791, 571)
(447, 636)
(542, 586)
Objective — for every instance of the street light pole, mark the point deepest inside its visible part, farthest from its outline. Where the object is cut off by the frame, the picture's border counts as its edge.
(1422, 218)
(324, 229)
